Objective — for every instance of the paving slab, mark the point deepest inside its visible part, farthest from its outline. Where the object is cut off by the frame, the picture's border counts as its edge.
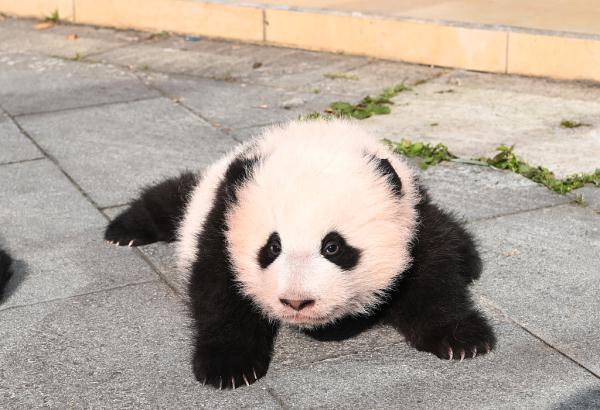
(31, 84)
(62, 40)
(473, 113)
(116, 149)
(194, 56)
(15, 146)
(126, 348)
(476, 192)
(542, 269)
(55, 236)
(234, 105)
(521, 373)
(271, 66)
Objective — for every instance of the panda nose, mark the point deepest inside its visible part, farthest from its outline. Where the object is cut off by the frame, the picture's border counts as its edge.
(297, 304)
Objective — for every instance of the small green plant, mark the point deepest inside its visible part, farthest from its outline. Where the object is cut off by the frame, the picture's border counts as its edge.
(579, 200)
(54, 17)
(430, 154)
(146, 67)
(341, 76)
(161, 35)
(368, 106)
(227, 77)
(316, 91)
(573, 124)
(506, 159)
(77, 57)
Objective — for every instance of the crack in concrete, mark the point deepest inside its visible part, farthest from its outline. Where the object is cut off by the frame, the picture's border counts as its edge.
(567, 201)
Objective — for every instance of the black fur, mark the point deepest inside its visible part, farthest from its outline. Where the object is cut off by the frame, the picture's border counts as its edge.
(386, 170)
(266, 256)
(234, 342)
(430, 303)
(347, 256)
(155, 215)
(5, 271)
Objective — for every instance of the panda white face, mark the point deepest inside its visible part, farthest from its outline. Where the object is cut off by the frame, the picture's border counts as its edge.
(320, 231)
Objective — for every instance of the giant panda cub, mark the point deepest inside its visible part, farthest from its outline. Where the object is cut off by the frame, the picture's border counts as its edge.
(318, 225)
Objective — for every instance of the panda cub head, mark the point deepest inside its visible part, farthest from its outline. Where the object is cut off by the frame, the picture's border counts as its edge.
(321, 227)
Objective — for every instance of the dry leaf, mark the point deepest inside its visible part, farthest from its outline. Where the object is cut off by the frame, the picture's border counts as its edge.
(72, 36)
(43, 25)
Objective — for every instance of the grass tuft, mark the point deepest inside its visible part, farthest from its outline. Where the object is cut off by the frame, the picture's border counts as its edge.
(54, 17)
(573, 124)
(368, 106)
(429, 154)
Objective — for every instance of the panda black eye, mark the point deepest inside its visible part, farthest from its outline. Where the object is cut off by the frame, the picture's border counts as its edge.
(275, 247)
(331, 248)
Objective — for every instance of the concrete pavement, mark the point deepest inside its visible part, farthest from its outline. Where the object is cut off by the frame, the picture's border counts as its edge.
(85, 123)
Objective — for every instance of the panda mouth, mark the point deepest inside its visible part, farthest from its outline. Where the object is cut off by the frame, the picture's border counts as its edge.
(306, 320)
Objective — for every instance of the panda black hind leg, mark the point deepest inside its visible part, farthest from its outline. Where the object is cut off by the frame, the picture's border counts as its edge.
(154, 215)
(432, 305)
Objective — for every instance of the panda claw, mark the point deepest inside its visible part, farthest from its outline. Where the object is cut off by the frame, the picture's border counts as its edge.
(462, 355)
(450, 354)
(233, 382)
(487, 348)
(245, 380)
(255, 376)
(204, 381)
(131, 243)
(220, 383)
(474, 352)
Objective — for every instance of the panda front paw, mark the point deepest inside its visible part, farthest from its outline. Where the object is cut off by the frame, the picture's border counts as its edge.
(229, 370)
(466, 339)
(128, 230)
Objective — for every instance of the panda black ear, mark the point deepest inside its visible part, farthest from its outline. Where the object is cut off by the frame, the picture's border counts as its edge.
(239, 171)
(386, 170)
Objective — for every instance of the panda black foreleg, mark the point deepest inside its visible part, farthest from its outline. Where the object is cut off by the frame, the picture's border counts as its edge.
(432, 305)
(154, 215)
(233, 342)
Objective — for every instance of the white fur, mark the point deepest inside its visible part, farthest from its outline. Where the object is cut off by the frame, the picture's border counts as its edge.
(315, 177)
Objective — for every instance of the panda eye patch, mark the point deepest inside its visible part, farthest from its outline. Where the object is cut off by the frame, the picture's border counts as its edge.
(270, 250)
(335, 249)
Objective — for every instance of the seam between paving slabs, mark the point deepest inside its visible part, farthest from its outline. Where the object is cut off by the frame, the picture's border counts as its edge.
(490, 303)
(83, 193)
(83, 107)
(43, 302)
(21, 161)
